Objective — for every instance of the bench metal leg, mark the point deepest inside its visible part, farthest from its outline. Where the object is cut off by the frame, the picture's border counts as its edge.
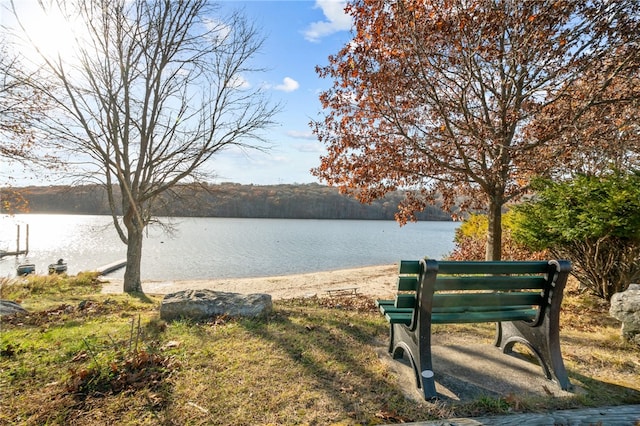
(543, 335)
(404, 341)
(543, 341)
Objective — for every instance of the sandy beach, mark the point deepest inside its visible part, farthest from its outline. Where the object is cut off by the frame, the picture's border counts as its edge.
(377, 281)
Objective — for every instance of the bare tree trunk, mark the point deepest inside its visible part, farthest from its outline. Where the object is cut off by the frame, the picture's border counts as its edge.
(132, 283)
(494, 230)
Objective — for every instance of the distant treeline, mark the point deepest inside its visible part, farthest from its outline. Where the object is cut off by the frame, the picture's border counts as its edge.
(298, 201)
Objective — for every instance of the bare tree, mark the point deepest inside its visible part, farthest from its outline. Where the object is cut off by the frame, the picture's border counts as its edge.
(156, 90)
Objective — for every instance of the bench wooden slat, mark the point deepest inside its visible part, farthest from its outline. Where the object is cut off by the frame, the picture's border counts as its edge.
(409, 267)
(487, 316)
(385, 302)
(394, 310)
(493, 282)
(460, 309)
(399, 317)
(404, 315)
(405, 301)
(408, 283)
(390, 306)
(487, 299)
(492, 267)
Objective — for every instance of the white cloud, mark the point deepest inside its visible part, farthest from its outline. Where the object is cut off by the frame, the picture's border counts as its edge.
(239, 82)
(311, 147)
(288, 85)
(219, 31)
(298, 134)
(336, 20)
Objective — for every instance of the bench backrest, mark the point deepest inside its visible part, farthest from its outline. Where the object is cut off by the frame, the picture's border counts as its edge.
(474, 291)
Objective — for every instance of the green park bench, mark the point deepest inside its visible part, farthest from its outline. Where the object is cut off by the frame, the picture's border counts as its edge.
(522, 297)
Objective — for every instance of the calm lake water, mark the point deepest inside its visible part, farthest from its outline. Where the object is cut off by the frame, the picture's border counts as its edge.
(201, 248)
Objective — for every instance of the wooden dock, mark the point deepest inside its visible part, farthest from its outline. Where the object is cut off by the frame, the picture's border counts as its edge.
(103, 270)
(4, 253)
(17, 251)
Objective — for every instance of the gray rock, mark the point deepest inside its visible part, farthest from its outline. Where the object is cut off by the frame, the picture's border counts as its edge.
(7, 307)
(625, 307)
(203, 304)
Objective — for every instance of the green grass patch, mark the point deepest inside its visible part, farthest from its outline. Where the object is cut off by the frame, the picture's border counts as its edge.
(30, 286)
(87, 358)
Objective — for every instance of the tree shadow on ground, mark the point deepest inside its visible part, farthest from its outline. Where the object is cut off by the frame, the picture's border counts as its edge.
(617, 394)
(141, 296)
(339, 360)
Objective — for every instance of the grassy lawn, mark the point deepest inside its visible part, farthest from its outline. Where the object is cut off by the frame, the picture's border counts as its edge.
(80, 357)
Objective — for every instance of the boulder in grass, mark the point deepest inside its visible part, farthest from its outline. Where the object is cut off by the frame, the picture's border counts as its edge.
(7, 307)
(203, 304)
(625, 307)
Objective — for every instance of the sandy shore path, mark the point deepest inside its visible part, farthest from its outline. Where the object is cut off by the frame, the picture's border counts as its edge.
(378, 281)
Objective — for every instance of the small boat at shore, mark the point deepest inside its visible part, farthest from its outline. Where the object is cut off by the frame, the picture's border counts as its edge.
(26, 269)
(58, 268)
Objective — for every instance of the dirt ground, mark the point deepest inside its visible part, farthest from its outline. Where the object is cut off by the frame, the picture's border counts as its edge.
(379, 281)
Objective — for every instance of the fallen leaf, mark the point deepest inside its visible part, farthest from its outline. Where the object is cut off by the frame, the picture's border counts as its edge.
(171, 344)
(80, 357)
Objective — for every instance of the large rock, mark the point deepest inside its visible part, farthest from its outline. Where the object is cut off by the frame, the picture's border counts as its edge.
(625, 306)
(7, 307)
(203, 304)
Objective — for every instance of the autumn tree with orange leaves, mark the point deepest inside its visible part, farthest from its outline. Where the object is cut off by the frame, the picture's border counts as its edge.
(469, 100)
(20, 108)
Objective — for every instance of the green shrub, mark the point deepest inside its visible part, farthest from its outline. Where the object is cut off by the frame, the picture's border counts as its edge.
(594, 221)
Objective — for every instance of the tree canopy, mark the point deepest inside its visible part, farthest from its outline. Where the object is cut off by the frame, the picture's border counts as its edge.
(471, 99)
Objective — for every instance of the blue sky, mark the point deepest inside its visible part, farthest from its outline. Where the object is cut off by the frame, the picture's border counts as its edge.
(299, 35)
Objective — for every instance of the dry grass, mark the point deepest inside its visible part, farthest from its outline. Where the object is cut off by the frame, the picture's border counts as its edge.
(592, 347)
(97, 359)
